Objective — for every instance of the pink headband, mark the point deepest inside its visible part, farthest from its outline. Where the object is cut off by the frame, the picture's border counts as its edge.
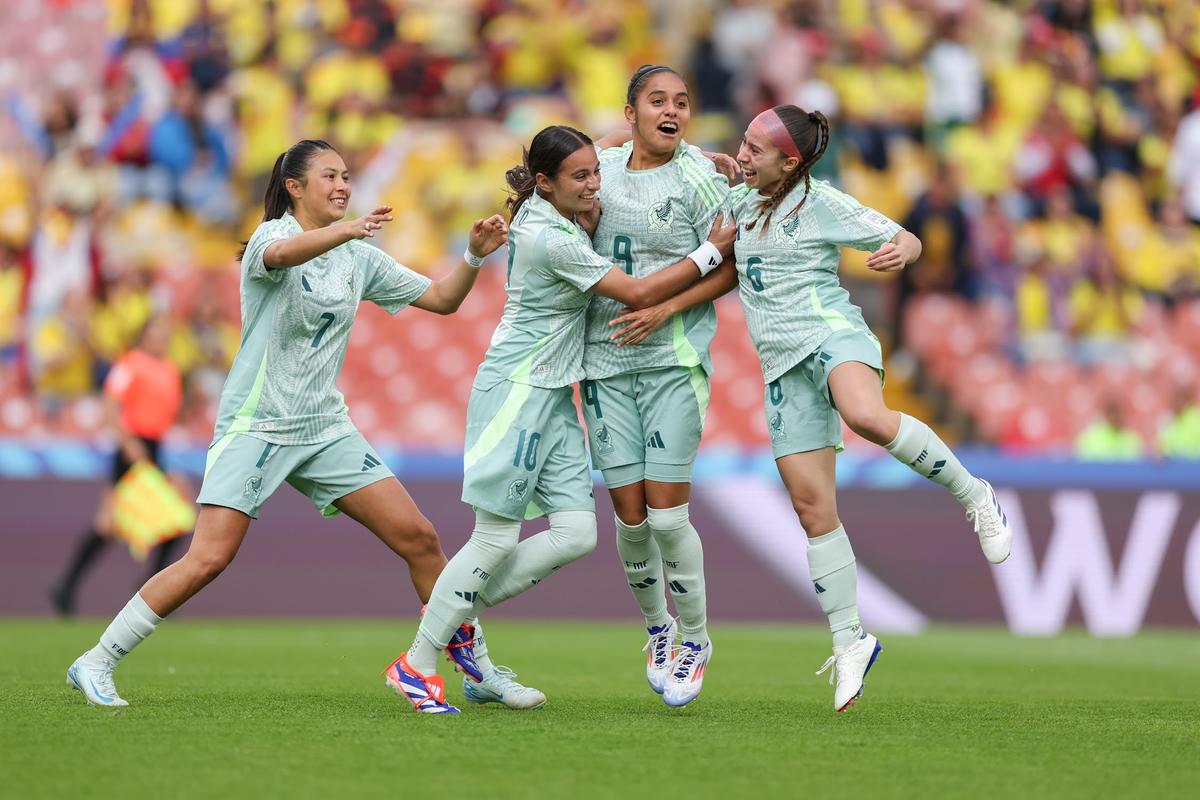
(771, 126)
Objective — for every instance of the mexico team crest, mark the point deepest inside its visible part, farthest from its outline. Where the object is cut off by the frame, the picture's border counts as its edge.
(778, 430)
(517, 489)
(786, 231)
(603, 440)
(253, 487)
(661, 215)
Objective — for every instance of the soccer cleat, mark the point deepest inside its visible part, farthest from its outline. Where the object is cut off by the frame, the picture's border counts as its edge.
(660, 652)
(687, 674)
(461, 651)
(851, 668)
(500, 686)
(95, 681)
(426, 693)
(991, 526)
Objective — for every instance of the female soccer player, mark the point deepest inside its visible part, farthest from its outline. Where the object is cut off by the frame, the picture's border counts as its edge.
(281, 417)
(644, 406)
(143, 392)
(819, 360)
(525, 455)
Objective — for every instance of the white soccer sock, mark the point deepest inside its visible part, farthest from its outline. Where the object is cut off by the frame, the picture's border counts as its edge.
(643, 570)
(571, 536)
(917, 446)
(835, 578)
(683, 562)
(481, 649)
(454, 594)
(127, 630)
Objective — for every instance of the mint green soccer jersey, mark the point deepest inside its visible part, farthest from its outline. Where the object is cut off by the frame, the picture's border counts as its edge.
(551, 266)
(788, 277)
(651, 219)
(295, 329)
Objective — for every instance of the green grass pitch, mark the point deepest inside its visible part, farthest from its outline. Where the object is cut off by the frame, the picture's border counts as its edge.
(297, 709)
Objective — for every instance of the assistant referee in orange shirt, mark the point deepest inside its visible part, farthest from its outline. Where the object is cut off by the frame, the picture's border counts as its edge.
(143, 392)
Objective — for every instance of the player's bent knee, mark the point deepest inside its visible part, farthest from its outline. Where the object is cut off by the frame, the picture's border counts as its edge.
(576, 531)
(417, 537)
(668, 519)
(871, 423)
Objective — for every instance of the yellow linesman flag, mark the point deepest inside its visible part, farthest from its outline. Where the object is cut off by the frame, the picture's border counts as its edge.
(148, 509)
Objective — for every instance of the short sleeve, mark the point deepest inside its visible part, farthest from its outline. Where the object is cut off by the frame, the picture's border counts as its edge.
(388, 283)
(711, 195)
(573, 260)
(264, 236)
(848, 223)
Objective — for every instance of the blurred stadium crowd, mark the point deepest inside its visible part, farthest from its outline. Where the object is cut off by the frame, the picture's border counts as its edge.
(1046, 152)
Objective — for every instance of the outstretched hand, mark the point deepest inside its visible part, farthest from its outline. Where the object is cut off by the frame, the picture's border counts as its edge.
(364, 227)
(487, 235)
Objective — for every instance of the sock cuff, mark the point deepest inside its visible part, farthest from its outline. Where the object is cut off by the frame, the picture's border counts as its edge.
(624, 528)
(139, 606)
(910, 427)
(829, 553)
(667, 519)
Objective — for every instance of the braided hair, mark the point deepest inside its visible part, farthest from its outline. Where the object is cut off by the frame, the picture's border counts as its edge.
(810, 131)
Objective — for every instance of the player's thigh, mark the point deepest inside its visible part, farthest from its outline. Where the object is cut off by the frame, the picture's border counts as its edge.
(386, 509)
(799, 416)
(614, 427)
(241, 472)
(218, 536)
(335, 469)
(811, 481)
(854, 346)
(672, 403)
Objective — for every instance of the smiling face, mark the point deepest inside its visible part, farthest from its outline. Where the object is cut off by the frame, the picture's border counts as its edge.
(325, 193)
(573, 188)
(660, 117)
(763, 164)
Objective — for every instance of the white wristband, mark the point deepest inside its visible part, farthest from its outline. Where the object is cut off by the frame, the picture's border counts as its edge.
(473, 261)
(707, 257)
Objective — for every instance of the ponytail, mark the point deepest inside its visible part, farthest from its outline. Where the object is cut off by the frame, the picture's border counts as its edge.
(292, 163)
(545, 155)
(521, 184)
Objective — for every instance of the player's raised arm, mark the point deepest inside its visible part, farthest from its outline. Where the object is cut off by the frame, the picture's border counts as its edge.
(446, 294)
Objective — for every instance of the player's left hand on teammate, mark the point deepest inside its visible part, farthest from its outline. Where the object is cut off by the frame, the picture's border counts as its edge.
(590, 220)
(637, 325)
(725, 164)
(888, 258)
(487, 235)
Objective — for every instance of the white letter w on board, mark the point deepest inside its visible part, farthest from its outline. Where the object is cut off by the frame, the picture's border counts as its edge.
(1077, 562)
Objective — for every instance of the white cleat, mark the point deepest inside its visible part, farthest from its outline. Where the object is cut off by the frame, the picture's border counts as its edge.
(687, 674)
(500, 686)
(851, 668)
(991, 526)
(95, 681)
(660, 653)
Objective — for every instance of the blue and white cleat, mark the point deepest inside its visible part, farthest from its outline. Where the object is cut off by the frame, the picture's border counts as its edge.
(427, 693)
(500, 686)
(991, 526)
(461, 652)
(851, 668)
(687, 674)
(660, 653)
(95, 681)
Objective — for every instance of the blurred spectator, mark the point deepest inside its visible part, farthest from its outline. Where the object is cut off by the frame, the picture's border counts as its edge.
(1180, 435)
(61, 352)
(955, 94)
(1103, 312)
(186, 145)
(993, 242)
(1109, 439)
(1166, 262)
(938, 221)
(1184, 166)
